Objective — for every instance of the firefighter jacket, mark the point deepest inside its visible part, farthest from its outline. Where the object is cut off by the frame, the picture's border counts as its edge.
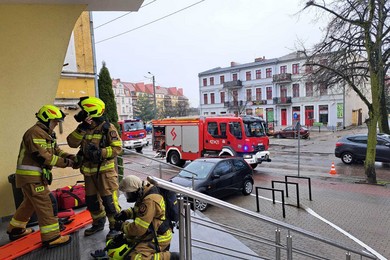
(38, 150)
(105, 138)
(148, 211)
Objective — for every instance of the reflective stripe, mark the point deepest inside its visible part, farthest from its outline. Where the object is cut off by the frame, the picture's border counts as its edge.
(109, 151)
(61, 153)
(115, 200)
(116, 143)
(77, 135)
(39, 141)
(141, 223)
(29, 168)
(93, 136)
(54, 160)
(98, 216)
(50, 228)
(156, 256)
(138, 257)
(85, 169)
(17, 223)
(27, 172)
(166, 237)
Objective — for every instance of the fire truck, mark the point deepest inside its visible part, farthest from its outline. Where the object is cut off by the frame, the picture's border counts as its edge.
(133, 134)
(182, 139)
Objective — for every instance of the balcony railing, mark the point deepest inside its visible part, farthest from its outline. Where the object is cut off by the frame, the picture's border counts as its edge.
(230, 104)
(283, 77)
(282, 100)
(259, 102)
(233, 84)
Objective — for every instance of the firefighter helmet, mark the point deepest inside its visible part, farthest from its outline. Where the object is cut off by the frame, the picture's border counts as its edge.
(117, 250)
(130, 183)
(93, 106)
(49, 112)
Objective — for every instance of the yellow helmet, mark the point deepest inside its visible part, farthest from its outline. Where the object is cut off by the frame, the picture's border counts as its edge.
(93, 106)
(49, 112)
(117, 251)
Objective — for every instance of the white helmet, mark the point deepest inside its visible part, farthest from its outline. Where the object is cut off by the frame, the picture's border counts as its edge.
(130, 183)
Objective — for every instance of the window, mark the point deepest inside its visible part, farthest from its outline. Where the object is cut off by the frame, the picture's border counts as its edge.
(211, 81)
(224, 167)
(309, 68)
(249, 94)
(205, 99)
(269, 92)
(222, 94)
(283, 69)
(258, 94)
(309, 89)
(295, 68)
(295, 90)
(248, 75)
(212, 128)
(235, 76)
(268, 73)
(212, 98)
(222, 79)
(204, 82)
(258, 74)
(249, 111)
(323, 89)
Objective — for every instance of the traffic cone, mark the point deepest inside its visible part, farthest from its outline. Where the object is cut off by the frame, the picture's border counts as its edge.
(332, 169)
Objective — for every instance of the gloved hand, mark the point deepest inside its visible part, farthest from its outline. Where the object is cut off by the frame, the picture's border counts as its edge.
(69, 162)
(121, 216)
(83, 126)
(118, 225)
(94, 154)
(47, 176)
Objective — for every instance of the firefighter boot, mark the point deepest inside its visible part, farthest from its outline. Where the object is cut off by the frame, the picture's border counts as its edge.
(99, 226)
(112, 233)
(60, 241)
(17, 233)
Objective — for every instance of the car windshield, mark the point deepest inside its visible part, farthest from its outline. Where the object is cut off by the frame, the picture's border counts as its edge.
(132, 126)
(201, 168)
(254, 129)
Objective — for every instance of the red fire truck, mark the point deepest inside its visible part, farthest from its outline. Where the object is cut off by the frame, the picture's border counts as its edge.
(133, 134)
(181, 139)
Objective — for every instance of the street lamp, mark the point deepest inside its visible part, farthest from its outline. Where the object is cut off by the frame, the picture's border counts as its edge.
(154, 95)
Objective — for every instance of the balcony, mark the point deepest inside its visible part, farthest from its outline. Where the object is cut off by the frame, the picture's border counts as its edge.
(282, 78)
(259, 102)
(233, 104)
(233, 84)
(282, 100)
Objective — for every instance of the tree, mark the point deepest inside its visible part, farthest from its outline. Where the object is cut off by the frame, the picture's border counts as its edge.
(107, 95)
(144, 108)
(355, 52)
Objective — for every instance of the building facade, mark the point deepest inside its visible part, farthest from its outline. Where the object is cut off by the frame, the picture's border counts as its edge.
(280, 91)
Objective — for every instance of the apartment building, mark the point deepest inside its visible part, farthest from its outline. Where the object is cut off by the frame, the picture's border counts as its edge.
(123, 93)
(279, 90)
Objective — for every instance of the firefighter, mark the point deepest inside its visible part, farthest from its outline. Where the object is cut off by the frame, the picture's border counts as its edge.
(38, 154)
(99, 144)
(148, 213)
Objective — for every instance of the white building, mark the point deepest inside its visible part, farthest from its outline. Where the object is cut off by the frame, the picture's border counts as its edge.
(123, 99)
(278, 90)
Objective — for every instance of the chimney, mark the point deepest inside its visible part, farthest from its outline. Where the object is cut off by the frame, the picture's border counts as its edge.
(260, 59)
(233, 63)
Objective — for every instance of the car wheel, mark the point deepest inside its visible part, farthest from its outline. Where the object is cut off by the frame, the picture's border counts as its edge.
(174, 158)
(201, 205)
(254, 165)
(247, 188)
(278, 136)
(347, 158)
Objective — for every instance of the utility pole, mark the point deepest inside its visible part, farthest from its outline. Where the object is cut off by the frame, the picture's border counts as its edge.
(154, 96)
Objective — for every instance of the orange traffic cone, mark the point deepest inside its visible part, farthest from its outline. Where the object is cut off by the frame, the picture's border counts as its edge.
(332, 169)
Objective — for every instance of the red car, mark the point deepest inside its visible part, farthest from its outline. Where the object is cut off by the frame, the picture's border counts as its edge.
(291, 132)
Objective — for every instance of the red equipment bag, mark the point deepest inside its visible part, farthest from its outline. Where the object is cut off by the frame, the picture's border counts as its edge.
(70, 196)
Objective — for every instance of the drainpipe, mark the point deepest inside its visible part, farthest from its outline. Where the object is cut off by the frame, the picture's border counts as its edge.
(93, 53)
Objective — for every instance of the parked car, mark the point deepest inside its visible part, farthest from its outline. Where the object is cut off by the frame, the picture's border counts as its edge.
(216, 177)
(291, 132)
(352, 148)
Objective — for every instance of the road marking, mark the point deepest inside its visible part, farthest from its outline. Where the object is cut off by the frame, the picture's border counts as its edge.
(314, 214)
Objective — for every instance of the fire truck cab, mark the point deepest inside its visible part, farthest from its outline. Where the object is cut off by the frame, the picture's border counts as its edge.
(182, 139)
(133, 134)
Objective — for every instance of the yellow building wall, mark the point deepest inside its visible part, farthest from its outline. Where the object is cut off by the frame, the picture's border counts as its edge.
(82, 35)
(34, 40)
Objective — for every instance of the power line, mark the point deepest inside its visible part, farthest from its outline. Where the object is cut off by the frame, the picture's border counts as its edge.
(122, 16)
(136, 28)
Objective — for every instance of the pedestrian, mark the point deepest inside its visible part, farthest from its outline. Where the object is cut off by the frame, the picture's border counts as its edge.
(38, 153)
(151, 239)
(99, 145)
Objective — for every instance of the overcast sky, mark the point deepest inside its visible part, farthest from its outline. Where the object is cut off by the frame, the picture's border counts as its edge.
(206, 35)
